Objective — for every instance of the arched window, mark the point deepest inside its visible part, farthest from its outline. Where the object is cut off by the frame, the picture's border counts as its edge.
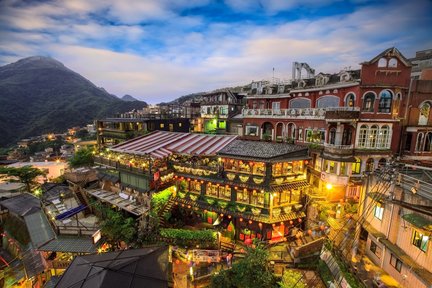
(362, 136)
(356, 166)
(332, 136)
(424, 113)
(291, 131)
(368, 102)
(419, 142)
(428, 142)
(385, 101)
(349, 100)
(300, 103)
(370, 165)
(373, 136)
(328, 101)
(384, 137)
(392, 62)
(382, 62)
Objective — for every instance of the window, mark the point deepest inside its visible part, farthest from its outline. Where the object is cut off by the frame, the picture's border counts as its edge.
(385, 102)
(346, 136)
(332, 136)
(252, 130)
(332, 167)
(368, 102)
(300, 103)
(419, 143)
(424, 114)
(370, 165)
(349, 100)
(382, 62)
(328, 101)
(420, 240)
(375, 249)
(162, 125)
(392, 63)
(300, 134)
(180, 124)
(383, 140)
(342, 170)
(356, 166)
(373, 136)
(396, 263)
(362, 136)
(428, 142)
(379, 211)
(276, 105)
(408, 141)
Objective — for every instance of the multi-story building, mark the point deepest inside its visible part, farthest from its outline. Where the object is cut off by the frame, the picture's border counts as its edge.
(255, 189)
(398, 225)
(422, 60)
(350, 120)
(218, 111)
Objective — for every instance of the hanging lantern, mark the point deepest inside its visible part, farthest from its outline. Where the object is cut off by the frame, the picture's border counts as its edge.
(221, 215)
(189, 206)
(300, 220)
(250, 221)
(241, 219)
(209, 260)
(291, 222)
(322, 227)
(260, 225)
(274, 225)
(229, 216)
(177, 261)
(310, 232)
(281, 223)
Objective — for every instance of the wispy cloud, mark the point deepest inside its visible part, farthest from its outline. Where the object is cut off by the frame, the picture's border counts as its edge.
(157, 50)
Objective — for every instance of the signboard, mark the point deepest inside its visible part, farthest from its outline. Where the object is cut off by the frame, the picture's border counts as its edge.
(96, 236)
(205, 255)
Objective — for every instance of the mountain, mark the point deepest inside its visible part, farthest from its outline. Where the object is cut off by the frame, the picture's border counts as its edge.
(128, 98)
(39, 95)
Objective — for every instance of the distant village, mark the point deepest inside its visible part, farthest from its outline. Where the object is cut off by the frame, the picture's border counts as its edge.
(332, 172)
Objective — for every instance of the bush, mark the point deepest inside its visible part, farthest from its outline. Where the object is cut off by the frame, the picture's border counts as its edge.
(159, 200)
(184, 237)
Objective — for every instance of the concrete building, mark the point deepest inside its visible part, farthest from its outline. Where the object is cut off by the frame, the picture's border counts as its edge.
(54, 169)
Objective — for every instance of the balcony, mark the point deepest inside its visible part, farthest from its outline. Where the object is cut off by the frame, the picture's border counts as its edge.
(342, 113)
(343, 150)
(292, 113)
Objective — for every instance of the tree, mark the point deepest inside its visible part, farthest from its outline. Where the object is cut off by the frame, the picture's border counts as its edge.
(115, 227)
(251, 271)
(291, 279)
(83, 157)
(25, 174)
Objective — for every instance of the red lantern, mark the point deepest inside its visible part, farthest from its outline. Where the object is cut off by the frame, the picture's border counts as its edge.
(282, 224)
(248, 241)
(221, 215)
(229, 216)
(310, 232)
(241, 219)
(300, 220)
(209, 260)
(322, 227)
(189, 206)
(306, 162)
(291, 222)
(250, 221)
(274, 225)
(229, 228)
(260, 225)
(242, 250)
(177, 261)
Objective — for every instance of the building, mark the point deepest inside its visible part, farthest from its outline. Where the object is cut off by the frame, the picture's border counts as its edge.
(422, 60)
(349, 120)
(53, 169)
(398, 225)
(217, 113)
(254, 189)
(112, 131)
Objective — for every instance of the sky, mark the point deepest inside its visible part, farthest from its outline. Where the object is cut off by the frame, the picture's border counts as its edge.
(158, 50)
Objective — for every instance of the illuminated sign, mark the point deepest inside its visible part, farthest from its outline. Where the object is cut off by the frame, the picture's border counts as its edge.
(96, 236)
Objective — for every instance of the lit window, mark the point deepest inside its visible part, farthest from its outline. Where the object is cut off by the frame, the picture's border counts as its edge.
(379, 211)
(363, 136)
(396, 263)
(180, 124)
(162, 125)
(355, 167)
(420, 240)
(251, 130)
(375, 249)
(368, 102)
(385, 101)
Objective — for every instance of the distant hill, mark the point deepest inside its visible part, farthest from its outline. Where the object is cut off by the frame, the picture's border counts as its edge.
(40, 95)
(128, 98)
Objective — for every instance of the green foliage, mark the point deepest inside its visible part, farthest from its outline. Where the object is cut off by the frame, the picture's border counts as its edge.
(25, 174)
(251, 271)
(188, 237)
(83, 157)
(292, 278)
(114, 226)
(159, 200)
(324, 272)
(41, 146)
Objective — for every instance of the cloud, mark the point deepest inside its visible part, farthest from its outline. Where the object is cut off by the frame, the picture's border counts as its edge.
(159, 50)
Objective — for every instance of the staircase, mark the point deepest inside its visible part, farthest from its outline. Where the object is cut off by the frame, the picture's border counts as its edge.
(168, 206)
(226, 245)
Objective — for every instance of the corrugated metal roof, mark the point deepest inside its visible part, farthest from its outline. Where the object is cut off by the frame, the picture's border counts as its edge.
(161, 144)
(39, 229)
(70, 244)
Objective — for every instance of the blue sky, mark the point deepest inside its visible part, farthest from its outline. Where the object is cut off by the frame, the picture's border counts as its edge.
(157, 50)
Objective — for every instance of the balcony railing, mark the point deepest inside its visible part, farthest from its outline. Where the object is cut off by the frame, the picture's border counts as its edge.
(298, 113)
(339, 147)
(343, 108)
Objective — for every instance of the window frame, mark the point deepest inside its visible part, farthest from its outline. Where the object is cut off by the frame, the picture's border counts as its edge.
(396, 263)
(379, 211)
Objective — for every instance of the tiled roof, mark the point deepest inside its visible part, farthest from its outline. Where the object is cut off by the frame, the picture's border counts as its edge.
(70, 244)
(160, 144)
(21, 204)
(260, 149)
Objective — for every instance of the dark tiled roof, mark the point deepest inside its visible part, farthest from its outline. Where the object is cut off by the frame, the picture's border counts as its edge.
(70, 244)
(261, 149)
(21, 204)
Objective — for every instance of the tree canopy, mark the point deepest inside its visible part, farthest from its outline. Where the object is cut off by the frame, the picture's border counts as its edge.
(83, 157)
(291, 279)
(25, 174)
(251, 271)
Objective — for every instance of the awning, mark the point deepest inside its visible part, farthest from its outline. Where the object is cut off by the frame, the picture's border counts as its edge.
(290, 186)
(418, 221)
(71, 212)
